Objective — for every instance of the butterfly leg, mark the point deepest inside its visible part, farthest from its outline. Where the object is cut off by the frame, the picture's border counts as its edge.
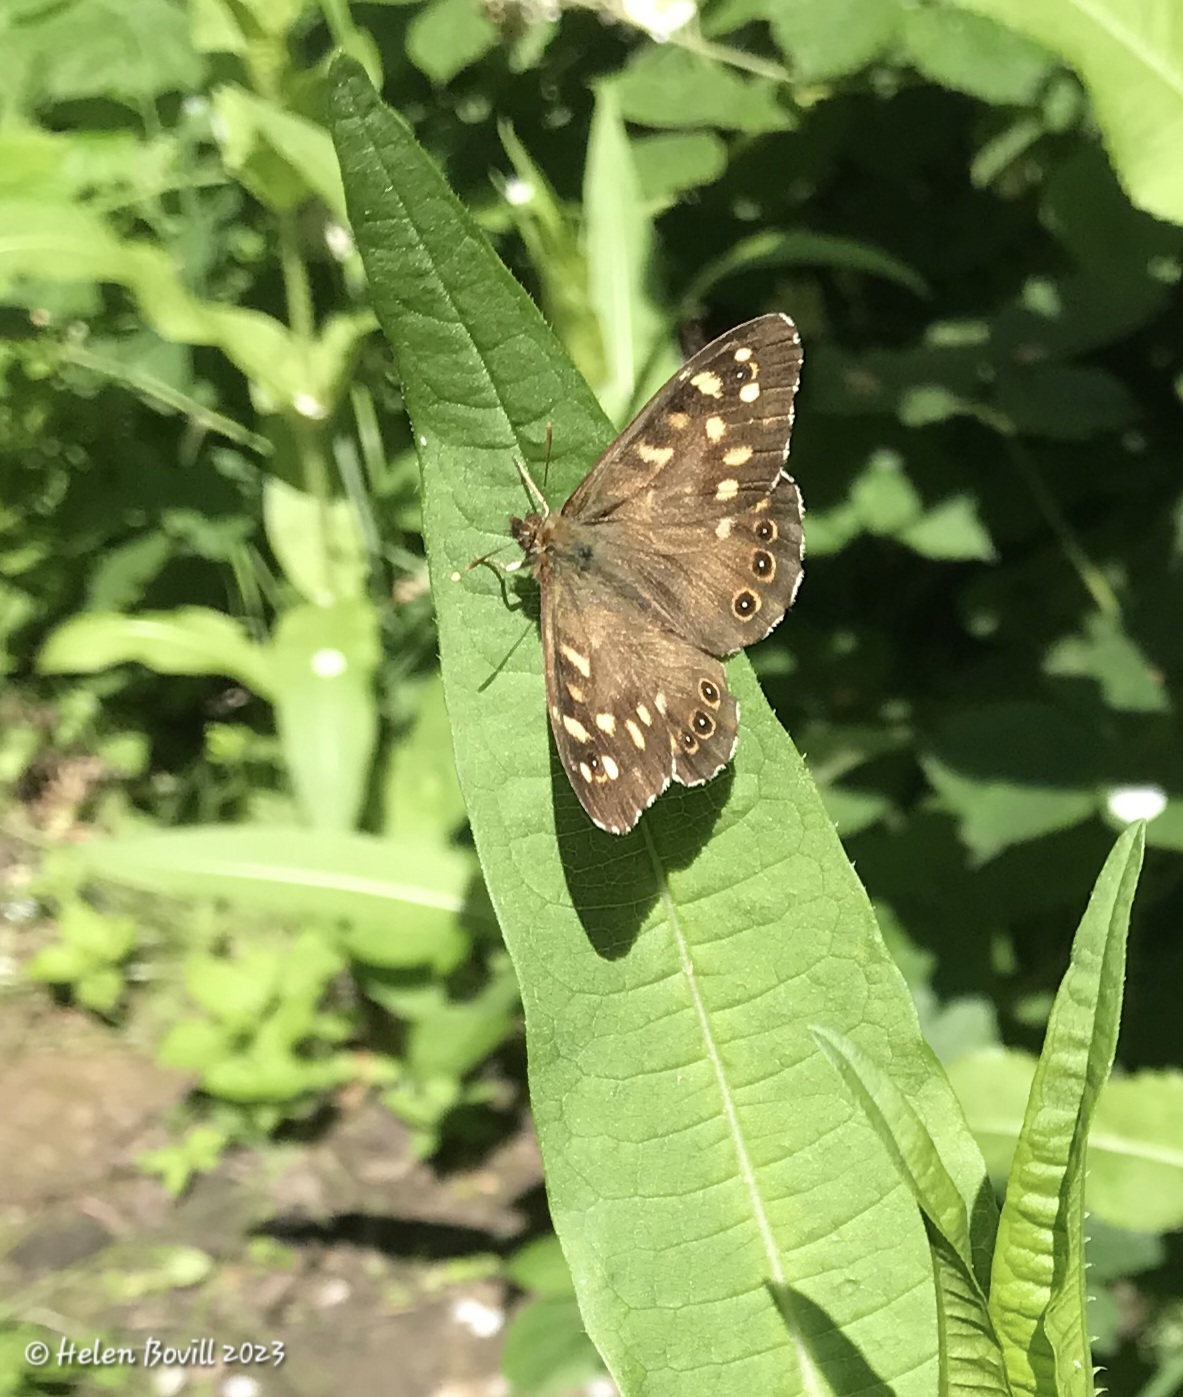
(499, 571)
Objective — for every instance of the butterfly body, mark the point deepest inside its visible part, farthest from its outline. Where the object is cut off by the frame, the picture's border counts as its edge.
(682, 545)
(551, 542)
(556, 546)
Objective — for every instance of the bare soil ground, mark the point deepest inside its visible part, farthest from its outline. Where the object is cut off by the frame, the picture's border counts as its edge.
(364, 1264)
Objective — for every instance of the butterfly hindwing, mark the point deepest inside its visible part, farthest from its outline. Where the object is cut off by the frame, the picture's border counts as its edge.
(723, 593)
(631, 707)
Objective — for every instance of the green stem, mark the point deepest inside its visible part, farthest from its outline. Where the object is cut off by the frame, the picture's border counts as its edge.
(309, 439)
(1094, 580)
(296, 285)
(732, 58)
(155, 389)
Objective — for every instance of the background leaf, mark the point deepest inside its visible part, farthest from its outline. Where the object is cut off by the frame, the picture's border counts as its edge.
(1130, 57)
(1037, 1284)
(411, 894)
(668, 87)
(825, 41)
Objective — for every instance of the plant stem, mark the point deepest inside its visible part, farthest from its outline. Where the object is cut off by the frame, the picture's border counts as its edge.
(309, 439)
(155, 389)
(1095, 581)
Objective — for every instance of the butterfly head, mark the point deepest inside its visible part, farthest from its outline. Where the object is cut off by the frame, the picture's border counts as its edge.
(532, 535)
(526, 532)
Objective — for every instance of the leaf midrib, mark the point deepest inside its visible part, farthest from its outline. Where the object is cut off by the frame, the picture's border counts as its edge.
(805, 1367)
(283, 875)
(747, 1170)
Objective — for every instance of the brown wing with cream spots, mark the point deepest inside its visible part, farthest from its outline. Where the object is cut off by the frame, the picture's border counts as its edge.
(725, 417)
(632, 707)
(723, 583)
(690, 510)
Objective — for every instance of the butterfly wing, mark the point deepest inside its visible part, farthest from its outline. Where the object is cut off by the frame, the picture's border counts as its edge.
(736, 395)
(691, 507)
(632, 704)
(722, 583)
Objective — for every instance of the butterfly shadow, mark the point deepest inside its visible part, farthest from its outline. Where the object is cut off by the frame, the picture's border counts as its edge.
(835, 1356)
(615, 881)
(523, 602)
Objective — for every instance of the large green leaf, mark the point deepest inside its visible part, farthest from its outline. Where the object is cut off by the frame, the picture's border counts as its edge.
(1129, 54)
(698, 1155)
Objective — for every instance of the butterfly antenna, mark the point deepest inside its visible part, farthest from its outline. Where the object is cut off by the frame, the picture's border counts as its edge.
(546, 464)
(537, 498)
(485, 558)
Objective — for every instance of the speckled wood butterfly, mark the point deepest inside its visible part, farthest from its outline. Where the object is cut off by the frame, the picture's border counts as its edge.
(682, 545)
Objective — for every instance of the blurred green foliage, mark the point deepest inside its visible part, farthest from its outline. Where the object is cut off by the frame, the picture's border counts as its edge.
(212, 584)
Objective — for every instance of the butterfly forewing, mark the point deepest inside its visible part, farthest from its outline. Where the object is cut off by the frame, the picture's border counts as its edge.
(726, 415)
(682, 545)
(690, 506)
